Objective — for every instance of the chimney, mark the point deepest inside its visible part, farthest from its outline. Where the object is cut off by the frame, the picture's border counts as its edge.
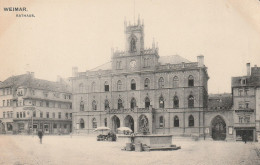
(248, 69)
(74, 71)
(200, 60)
(32, 74)
(58, 79)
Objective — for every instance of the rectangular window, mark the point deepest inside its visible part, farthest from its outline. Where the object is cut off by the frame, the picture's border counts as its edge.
(246, 91)
(34, 103)
(47, 115)
(3, 114)
(247, 105)
(41, 104)
(70, 115)
(67, 115)
(59, 115)
(41, 115)
(65, 125)
(240, 119)
(106, 88)
(8, 103)
(53, 115)
(3, 91)
(8, 114)
(34, 113)
(240, 91)
(247, 119)
(17, 114)
(11, 114)
(3, 103)
(21, 115)
(55, 126)
(47, 104)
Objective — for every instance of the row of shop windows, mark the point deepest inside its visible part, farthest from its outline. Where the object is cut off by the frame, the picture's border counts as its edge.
(147, 103)
(33, 102)
(47, 115)
(161, 84)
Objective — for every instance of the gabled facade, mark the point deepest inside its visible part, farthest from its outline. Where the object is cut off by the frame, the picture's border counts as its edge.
(246, 98)
(27, 102)
(139, 88)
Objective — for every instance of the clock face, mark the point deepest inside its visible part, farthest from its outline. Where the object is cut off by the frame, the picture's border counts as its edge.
(133, 64)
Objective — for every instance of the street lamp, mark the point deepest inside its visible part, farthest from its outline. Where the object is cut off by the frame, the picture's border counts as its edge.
(34, 110)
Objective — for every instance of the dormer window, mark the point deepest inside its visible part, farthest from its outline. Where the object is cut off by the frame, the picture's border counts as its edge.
(243, 81)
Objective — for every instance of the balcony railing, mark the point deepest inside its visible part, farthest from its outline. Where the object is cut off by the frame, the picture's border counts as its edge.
(130, 110)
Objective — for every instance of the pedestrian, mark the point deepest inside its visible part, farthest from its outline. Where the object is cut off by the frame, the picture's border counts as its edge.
(132, 137)
(40, 134)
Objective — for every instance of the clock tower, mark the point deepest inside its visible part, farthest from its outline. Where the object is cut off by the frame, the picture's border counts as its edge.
(134, 38)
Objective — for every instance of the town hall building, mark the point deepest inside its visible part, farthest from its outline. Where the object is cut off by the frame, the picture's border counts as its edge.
(141, 90)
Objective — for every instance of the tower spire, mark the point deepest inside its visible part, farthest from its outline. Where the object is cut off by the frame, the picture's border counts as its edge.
(138, 19)
(153, 45)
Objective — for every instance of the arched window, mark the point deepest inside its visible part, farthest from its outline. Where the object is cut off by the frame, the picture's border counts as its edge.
(147, 102)
(106, 86)
(82, 124)
(175, 82)
(147, 83)
(119, 85)
(105, 122)
(161, 122)
(93, 87)
(175, 102)
(161, 102)
(133, 84)
(132, 45)
(191, 101)
(119, 104)
(106, 105)
(176, 121)
(190, 81)
(191, 121)
(161, 83)
(81, 106)
(94, 123)
(133, 103)
(81, 88)
(94, 105)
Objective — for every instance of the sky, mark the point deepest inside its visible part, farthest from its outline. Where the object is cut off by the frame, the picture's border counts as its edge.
(66, 33)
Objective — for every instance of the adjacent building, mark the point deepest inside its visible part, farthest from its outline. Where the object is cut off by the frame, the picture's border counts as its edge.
(28, 104)
(246, 100)
(142, 90)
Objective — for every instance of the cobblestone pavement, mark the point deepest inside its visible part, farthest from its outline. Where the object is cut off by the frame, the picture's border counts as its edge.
(18, 149)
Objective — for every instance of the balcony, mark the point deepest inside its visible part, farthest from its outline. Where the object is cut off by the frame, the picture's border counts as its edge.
(130, 110)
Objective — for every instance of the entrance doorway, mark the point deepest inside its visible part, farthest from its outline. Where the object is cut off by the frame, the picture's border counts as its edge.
(129, 122)
(46, 128)
(115, 123)
(245, 134)
(218, 128)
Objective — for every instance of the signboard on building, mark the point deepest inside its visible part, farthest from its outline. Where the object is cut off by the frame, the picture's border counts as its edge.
(29, 108)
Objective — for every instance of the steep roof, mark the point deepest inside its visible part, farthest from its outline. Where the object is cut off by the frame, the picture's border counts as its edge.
(106, 66)
(220, 101)
(27, 80)
(250, 81)
(174, 59)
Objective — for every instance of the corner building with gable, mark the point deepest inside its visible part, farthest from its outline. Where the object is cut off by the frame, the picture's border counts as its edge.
(168, 94)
